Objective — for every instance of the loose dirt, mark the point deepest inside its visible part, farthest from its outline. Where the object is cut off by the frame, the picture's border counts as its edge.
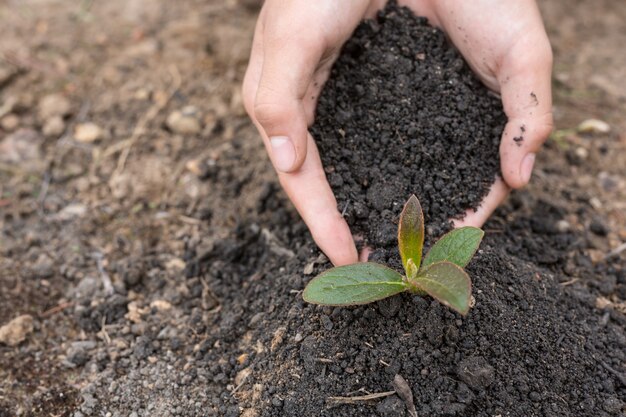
(171, 285)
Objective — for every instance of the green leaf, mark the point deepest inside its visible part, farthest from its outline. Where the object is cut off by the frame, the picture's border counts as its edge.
(354, 284)
(457, 246)
(412, 270)
(411, 233)
(447, 283)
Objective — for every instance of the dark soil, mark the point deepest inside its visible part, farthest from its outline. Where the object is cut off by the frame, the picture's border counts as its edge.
(528, 348)
(172, 287)
(403, 114)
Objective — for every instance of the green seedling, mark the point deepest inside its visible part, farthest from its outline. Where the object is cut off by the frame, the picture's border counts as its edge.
(440, 275)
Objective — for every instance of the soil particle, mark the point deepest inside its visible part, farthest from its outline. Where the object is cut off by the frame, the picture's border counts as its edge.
(476, 372)
(613, 405)
(43, 267)
(185, 121)
(54, 126)
(17, 330)
(10, 122)
(389, 125)
(53, 105)
(88, 132)
(598, 227)
(391, 407)
(594, 126)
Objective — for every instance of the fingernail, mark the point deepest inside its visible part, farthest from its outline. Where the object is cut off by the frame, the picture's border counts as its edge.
(283, 152)
(526, 169)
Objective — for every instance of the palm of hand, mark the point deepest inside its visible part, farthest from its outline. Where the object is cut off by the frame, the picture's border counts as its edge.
(296, 43)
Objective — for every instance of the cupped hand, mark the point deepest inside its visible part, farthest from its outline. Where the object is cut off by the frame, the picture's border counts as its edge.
(506, 45)
(297, 41)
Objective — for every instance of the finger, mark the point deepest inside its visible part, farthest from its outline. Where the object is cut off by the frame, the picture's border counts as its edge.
(497, 194)
(290, 57)
(309, 191)
(525, 81)
(253, 72)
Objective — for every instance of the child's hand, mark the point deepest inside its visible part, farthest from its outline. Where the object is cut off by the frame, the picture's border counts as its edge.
(295, 44)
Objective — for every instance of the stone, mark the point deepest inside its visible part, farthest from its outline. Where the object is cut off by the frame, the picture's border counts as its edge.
(476, 372)
(15, 332)
(87, 287)
(242, 375)
(71, 211)
(87, 132)
(185, 121)
(563, 226)
(598, 227)
(256, 319)
(54, 126)
(53, 105)
(43, 267)
(78, 356)
(161, 305)
(594, 126)
(10, 122)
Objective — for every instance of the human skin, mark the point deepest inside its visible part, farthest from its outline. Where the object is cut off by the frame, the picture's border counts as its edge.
(295, 44)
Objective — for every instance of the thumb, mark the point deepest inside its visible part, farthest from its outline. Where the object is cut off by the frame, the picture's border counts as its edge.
(525, 78)
(289, 62)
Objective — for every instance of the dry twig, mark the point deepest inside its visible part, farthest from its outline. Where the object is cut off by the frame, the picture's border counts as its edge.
(621, 248)
(56, 309)
(354, 400)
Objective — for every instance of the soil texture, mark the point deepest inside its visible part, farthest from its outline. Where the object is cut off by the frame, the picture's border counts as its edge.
(401, 114)
(157, 267)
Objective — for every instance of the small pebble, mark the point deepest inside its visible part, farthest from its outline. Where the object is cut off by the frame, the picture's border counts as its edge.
(598, 227)
(185, 121)
(53, 105)
(54, 126)
(15, 332)
(256, 319)
(10, 122)
(594, 126)
(87, 132)
(563, 226)
(595, 203)
(43, 267)
(476, 372)
(582, 153)
(161, 305)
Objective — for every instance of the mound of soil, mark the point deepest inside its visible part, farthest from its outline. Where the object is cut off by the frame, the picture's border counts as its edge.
(403, 114)
(530, 347)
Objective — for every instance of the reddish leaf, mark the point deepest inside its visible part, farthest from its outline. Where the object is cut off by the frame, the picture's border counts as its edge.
(411, 233)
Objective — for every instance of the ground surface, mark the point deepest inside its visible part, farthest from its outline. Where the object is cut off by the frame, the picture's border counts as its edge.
(162, 265)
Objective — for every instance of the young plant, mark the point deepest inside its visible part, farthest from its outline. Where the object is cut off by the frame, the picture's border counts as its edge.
(440, 275)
